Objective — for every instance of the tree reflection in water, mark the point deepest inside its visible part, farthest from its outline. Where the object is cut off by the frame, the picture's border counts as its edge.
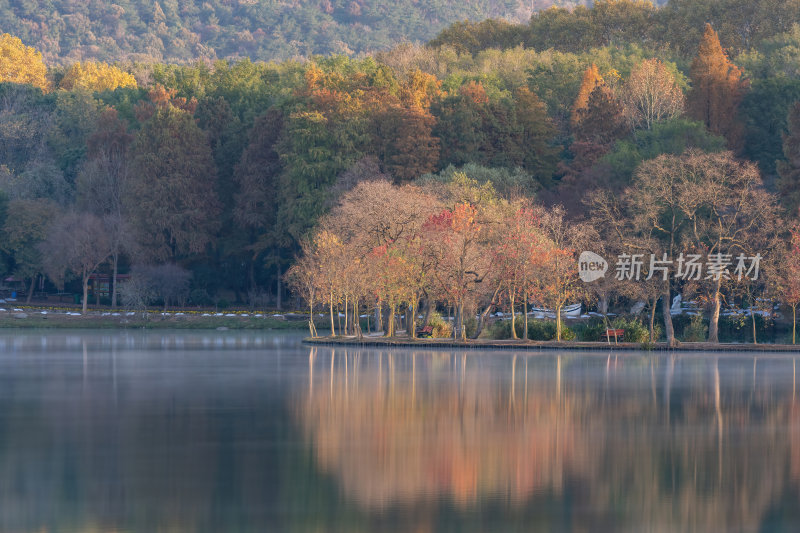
(253, 432)
(637, 442)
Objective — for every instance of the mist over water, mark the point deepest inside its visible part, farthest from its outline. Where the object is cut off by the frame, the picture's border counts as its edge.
(228, 431)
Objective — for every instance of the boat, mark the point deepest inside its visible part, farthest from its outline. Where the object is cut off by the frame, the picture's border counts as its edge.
(568, 311)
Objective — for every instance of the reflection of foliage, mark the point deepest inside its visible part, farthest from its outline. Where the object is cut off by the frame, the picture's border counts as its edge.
(416, 429)
(434, 440)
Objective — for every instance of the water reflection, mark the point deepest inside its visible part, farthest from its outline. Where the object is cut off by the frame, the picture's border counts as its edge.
(253, 432)
(141, 431)
(634, 442)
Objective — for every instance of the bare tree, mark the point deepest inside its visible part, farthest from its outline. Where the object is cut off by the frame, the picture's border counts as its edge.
(76, 243)
(137, 293)
(651, 95)
(696, 203)
(302, 278)
(729, 213)
(168, 282)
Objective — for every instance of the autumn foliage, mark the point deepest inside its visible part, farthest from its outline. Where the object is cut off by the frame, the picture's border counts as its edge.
(95, 76)
(457, 245)
(717, 89)
(20, 63)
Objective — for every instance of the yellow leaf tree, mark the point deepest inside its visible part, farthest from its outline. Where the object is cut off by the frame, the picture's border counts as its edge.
(591, 80)
(96, 76)
(20, 63)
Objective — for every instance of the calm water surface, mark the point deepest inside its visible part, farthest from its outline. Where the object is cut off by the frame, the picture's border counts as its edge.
(241, 432)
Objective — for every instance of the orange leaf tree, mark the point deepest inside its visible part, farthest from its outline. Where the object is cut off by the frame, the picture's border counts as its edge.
(455, 241)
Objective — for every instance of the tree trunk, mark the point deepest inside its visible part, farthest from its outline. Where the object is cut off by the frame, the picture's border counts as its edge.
(311, 327)
(713, 326)
(251, 273)
(114, 266)
(753, 320)
(379, 317)
(525, 312)
(333, 329)
(85, 293)
(558, 323)
(356, 319)
(346, 313)
(482, 320)
(794, 322)
(454, 322)
(461, 332)
(390, 329)
(412, 324)
(278, 300)
(30, 289)
(427, 317)
(485, 313)
(669, 330)
(513, 315)
(653, 318)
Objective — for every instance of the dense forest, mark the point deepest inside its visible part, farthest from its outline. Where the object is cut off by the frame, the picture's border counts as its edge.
(217, 176)
(186, 30)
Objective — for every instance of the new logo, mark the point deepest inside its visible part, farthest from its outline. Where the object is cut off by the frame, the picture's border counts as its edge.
(591, 267)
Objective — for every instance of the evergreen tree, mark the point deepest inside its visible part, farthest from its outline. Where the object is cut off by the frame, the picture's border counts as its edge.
(717, 89)
(789, 170)
(540, 156)
(602, 120)
(173, 204)
(404, 141)
(591, 80)
(459, 127)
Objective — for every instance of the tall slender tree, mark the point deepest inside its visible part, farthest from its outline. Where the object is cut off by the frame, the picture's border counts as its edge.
(717, 90)
(103, 183)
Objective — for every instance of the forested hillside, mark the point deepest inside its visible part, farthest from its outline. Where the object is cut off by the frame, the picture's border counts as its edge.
(186, 30)
(219, 175)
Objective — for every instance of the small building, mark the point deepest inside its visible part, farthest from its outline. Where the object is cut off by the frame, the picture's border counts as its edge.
(100, 285)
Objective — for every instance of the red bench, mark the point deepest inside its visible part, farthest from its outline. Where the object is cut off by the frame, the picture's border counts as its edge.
(616, 334)
(425, 333)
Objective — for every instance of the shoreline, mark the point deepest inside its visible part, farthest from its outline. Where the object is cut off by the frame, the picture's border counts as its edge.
(482, 344)
(29, 317)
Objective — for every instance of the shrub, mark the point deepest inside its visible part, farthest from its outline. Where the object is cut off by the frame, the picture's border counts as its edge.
(200, 297)
(542, 330)
(499, 329)
(635, 331)
(470, 326)
(441, 328)
(538, 330)
(589, 332)
(566, 333)
(696, 330)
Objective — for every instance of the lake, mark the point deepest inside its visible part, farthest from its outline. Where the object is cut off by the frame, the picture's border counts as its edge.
(251, 432)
